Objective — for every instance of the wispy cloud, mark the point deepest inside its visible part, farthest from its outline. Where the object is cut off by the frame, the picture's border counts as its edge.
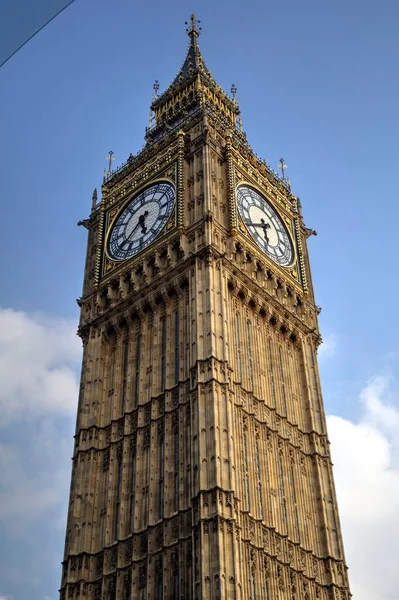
(34, 477)
(365, 455)
(38, 359)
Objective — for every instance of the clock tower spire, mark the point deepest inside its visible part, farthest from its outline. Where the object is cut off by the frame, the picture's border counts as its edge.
(201, 466)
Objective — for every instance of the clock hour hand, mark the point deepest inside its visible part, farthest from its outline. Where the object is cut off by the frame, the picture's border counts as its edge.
(140, 223)
(264, 226)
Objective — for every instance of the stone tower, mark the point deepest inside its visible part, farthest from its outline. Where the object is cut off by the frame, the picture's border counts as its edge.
(201, 466)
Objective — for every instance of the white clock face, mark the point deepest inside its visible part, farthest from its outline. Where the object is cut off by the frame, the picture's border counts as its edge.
(265, 226)
(141, 221)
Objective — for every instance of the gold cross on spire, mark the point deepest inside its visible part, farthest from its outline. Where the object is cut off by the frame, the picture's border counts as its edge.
(193, 31)
(233, 91)
(282, 167)
(110, 158)
(155, 87)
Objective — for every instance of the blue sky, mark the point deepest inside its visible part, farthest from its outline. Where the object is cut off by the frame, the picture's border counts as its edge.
(317, 84)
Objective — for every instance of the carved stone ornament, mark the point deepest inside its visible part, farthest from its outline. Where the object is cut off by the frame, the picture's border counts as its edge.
(97, 590)
(106, 459)
(112, 559)
(143, 543)
(142, 575)
(127, 582)
(128, 550)
(146, 437)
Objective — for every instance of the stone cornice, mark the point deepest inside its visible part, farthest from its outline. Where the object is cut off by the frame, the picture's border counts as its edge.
(271, 545)
(250, 291)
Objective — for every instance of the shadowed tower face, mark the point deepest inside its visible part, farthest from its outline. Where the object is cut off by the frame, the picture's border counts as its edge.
(201, 467)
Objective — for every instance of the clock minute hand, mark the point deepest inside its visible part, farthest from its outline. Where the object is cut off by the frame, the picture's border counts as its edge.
(264, 226)
(140, 223)
(132, 232)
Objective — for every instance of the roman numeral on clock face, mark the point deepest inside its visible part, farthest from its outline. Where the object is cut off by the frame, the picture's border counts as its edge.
(265, 225)
(141, 220)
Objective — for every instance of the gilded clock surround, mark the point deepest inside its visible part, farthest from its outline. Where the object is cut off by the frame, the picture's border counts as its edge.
(115, 213)
(116, 206)
(288, 224)
(201, 467)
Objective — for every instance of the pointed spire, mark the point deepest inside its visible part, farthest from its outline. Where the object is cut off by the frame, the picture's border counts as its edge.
(193, 86)
(194, 61)
(94, 200)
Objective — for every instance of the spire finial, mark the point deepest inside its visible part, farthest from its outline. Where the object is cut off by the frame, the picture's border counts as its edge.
(233, 91)
(282, 167)
(155, 88)
(110, 158)
(94, 200)
(193, 30)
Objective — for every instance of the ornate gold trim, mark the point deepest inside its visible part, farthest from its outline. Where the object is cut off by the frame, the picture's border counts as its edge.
(283, 219)
(121, 208)
(180, 182)
(100, 236)
(231, 188)
(301, 261)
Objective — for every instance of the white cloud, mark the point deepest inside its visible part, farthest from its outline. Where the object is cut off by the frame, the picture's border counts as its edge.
(38, 363)
(39, 388)
(34, 477)
(367, 479)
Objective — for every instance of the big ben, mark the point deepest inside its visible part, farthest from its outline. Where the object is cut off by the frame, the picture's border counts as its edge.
(201, 466)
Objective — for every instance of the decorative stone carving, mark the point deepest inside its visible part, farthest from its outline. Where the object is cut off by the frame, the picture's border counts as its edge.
(106, 459)
(175, 528)
(112, 559)
(128, 550)
(146, 437)
(142, 575)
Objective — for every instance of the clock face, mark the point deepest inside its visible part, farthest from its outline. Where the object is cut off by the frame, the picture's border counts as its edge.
(265, 226)
(141, 220)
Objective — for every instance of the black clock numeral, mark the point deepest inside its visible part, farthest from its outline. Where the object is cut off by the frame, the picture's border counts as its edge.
(248, 197)
(153, 207)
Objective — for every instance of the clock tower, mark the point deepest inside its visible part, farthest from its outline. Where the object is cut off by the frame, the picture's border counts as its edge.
(201, 466)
